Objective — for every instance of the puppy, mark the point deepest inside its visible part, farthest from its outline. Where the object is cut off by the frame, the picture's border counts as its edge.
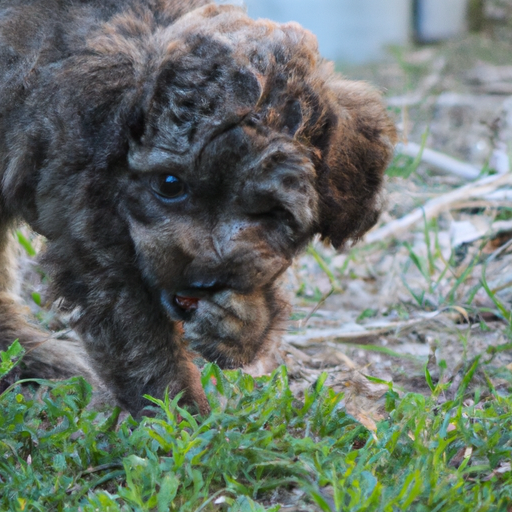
(177, 156)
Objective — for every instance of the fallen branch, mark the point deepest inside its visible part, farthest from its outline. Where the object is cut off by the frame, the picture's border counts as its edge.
(501, 226)
(479, 203)
(353, 332)
(440, 161)
(500, 195)
(466, 231)
(437, 205)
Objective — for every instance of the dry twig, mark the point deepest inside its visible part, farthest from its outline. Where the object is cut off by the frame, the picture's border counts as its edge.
(437, 205)
(353, 332)
(440, 160)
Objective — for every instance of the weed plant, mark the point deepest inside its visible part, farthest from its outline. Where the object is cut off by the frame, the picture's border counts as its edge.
(258, 448)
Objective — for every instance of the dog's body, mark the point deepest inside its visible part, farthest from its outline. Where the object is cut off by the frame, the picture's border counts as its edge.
(177, 156)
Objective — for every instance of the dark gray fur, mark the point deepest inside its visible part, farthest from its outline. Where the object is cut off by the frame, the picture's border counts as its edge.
(97, 99)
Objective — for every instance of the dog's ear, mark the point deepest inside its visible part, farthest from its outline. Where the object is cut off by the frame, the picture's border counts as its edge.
(355, 146)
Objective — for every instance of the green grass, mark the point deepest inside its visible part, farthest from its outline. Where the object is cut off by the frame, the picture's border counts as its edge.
(259, 447)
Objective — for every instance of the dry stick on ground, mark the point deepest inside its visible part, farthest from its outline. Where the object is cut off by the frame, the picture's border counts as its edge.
(440, 160)
(481, 203)
(353, 332)
(435, 206)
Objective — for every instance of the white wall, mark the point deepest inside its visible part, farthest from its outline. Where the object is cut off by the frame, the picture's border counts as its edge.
(440, 19)
(347, 30)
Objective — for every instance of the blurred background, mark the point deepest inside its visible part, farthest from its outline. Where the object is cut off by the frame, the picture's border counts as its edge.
(358, 31)
(444, 66)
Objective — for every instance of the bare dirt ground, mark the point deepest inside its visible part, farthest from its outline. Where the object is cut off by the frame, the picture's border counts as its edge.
(433, 293)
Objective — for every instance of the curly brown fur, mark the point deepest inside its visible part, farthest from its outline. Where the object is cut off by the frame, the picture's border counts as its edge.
(104, 106)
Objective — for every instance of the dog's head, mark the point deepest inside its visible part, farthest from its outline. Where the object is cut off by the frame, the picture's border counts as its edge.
(218, 146)
(248, 145)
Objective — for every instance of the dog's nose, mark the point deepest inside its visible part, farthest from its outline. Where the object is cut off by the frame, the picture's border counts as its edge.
(204, 287)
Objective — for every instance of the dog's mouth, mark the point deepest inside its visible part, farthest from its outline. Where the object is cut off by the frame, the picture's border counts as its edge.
(186, 303)
(181, 305)
(188, 299)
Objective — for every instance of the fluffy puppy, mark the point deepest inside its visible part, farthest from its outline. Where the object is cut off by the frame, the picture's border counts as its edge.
(176, 155)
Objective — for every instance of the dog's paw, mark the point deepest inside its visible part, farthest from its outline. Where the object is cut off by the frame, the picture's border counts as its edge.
(229, 328)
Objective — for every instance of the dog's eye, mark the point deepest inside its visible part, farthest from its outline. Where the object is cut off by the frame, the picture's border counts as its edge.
(168, 186)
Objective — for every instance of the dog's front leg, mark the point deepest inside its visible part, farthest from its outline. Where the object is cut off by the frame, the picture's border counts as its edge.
(136, 350)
